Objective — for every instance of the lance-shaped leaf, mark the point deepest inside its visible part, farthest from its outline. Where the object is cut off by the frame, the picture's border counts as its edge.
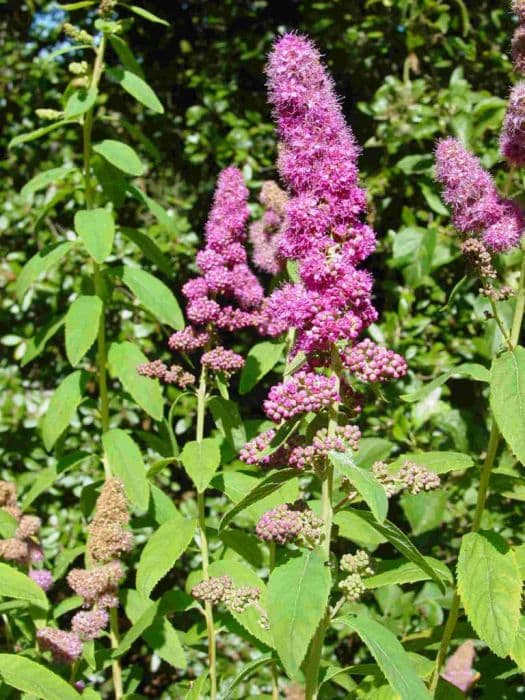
(298, 593)
(437, 462)
(260, 360)
(45, 178)
(123, 359)
(38, 681)
(62, 407)
(489, 583)
(38, 342)
(399, 571)
(146, 14)
(162, 550)
(80, 101)
(121, 156)
(267, 485)
(40, 263)
(507, 398)
(228, 419)
(15, 584)
(96, 228)
(37, 133)
(154, 295)
(242, 674)
(201, 459)
(392, 659)
(401, 542)
(137, 88)
(367, 486)
(82, 322)
(470, 370)
(125, 461)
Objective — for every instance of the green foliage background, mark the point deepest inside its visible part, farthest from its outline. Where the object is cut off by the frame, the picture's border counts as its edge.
(408, 71)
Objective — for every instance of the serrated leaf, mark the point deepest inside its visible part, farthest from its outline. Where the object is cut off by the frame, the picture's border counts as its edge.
(125, 461)
(228, 420)
(79, 102)
(146, 14)
(372, 450)
(401, 542)
(399, 571)
(82, 322)
(437, 462)
(121, 156)
(266, 486)
(162, 550)
(471, 370)
(355, 529)
(42, 180)
(137, 88)
(518, 649)
(242, 674)
(62, 407)
(154, 295)
(424, 511)
(123, 360)
(298, 592)
(243, 575)
(507, 398)
(29, 677)
(37, 133)
(201, 459)
(15, 584)
(259, 361)
(392, 659)
(96, 228)
(367, 486)
(43, 261)
(489, 584)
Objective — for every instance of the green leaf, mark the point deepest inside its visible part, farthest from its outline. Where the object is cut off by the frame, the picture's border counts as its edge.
(62, 407)
(37, 133)
(489, 584)
(399, 571)
(425, 511)
(198, 688)
(392, 659)
(437, 462)
(8, 524)
(82, 321)
(298, 593)
(80, 101)
(40, 263)
(38, 342)
(242, 674)
(96, 228)
(201, 459)
(372, 450)
(367, 486)
(355, 529)
(155, 208)
(507, 398)
(260, 360)
(15, 584)
(150, 249)
(137, 88)
(265, 486)
(43, 179)
(518, 649)
(125, 461)
(144, 622)
(154, 295)
(29, 677)
(146, 14)
(283, 434)
(401, 542)
(121, 156)
(228, 419)
(123, 359)
(161, 552)
(125, 55)
(46, 477)
(70, 6)
(471, 370)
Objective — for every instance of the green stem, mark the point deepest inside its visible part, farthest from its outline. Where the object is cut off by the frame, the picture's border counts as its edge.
(488, 464)
(316, 647)
(87, 129)
(208, 611)
(275, 674)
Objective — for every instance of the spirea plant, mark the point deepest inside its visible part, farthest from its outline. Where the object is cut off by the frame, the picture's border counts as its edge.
(238, 516)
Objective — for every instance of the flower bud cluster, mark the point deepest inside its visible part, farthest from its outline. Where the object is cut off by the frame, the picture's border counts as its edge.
(48, 114)
(412, 477)
(303, 392)
(266, 234)
(513, 135)
(314, 456)
(221, 360)
(175, 374)
(358, 566)
(77, 34)
(284, 524)
(237, 599)
(188, 340)
(372, 363)
(98, 585)
(24, 547)
(518, 39)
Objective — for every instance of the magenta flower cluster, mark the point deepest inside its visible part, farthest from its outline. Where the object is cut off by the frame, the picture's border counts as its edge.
(302, 392)
(370, 362)
(512, 139)
(221, 360)
(266, 234)
(477, 207)
(346, 438)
